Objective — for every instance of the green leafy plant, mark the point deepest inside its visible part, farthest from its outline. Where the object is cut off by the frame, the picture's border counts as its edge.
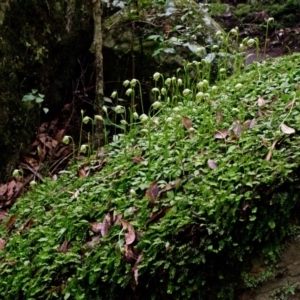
(36, 97)
(177, 203)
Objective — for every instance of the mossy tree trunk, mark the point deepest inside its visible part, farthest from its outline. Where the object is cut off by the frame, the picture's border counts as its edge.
(99, 94)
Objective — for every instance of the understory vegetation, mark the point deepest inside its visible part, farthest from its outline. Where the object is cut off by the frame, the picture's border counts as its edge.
(177, 204)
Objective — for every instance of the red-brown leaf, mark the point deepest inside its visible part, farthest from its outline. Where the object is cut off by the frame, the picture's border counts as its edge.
(152, 192)
(11, 187)
(105, 227)
(96, 227)
(261, 101)
(64, 247)
(221, 134)
(238, 129)
(3, 189)
(290, 105)
(286, 129)
(158, 215)
(11, 222)
(130, 235)
(2, 243)
(219, 116)
(137, 159)
(59, 136)
(212, 164)
(269, 155)
(135, 268)
(3, 215)
(187, 122)
(171, 185)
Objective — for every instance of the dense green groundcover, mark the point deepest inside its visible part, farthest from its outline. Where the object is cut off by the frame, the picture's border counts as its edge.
(185, 199)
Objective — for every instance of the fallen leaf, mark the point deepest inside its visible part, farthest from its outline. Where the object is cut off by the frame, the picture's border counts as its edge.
(3, 215)
(128, 253)
(11, 187)
(290, 105)
(221, 134)
(158, 215)
(211, 163)
(152, 192)
(3, 189)
(187, 122)
(96, 227)
(64, 247)
(219, 116)
(238, 129)
(261, 101)
(105, 227)
(135, 268)
(59, 136)
(137, 159)
(94, 242)
(286, 129)
(171, 185)
(82, 173)
(252, 123)
(130, 235)
(269, 155)
(11, 222)
(2, 243)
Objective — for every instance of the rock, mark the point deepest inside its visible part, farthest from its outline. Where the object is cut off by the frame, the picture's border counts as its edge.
(156, 39)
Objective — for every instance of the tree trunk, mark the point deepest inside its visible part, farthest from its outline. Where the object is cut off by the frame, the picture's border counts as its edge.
(99, 96)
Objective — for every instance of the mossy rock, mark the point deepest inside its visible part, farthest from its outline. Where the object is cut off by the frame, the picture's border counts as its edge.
(175, 209)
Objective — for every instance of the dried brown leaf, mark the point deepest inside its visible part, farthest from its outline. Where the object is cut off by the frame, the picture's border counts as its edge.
(290, 105)
(252, 123)
(152, 192)
(238, 129)
(96, 227)
(94, 242)
(171, 185)
(130, 235)
(105, 227)
(11, 222)
(135, 268)
(221, 134)
(129, 254)
(101, 153)
(59, 136)
(158, 215)
(269, 155)
(261, 102)
(212, 164)
(286, 129)
(3, 189)
(64, 247)
(3, 215)
(2, 243)
(11, 187)
(219, 116)
(137, 159)
(82, 173)
(264, 142)
(187, 122)
(54, 143)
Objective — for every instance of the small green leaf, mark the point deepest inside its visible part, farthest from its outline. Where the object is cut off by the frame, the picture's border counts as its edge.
(39, 100)
(28, 97)
(271, 224)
